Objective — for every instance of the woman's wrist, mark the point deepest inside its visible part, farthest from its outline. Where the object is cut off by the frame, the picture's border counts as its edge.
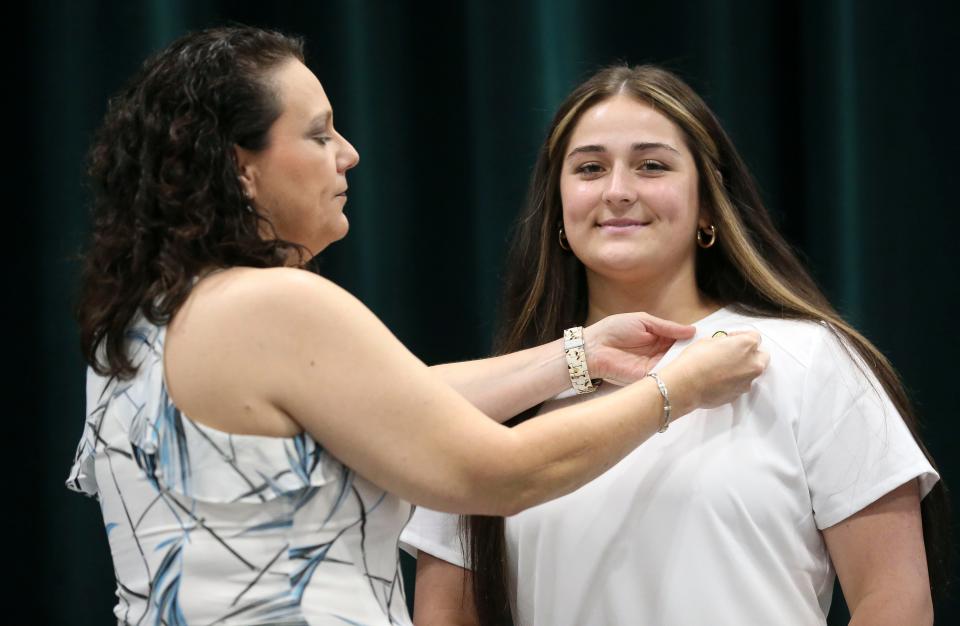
(685, 393)
(593, 345)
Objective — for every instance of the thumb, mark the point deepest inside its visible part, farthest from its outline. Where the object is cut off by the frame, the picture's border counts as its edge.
(666, 328)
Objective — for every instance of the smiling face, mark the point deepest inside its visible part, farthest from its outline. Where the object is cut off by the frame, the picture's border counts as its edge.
(629, 190)
(298, 181)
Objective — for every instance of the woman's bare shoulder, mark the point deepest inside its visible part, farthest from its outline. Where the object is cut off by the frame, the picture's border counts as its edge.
(240, 333)
(243, 318)
(252, 297)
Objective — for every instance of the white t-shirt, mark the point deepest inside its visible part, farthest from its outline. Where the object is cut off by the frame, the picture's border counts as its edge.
(716, 521)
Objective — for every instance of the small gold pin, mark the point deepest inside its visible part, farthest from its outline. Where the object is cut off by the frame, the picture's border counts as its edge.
(720, 333)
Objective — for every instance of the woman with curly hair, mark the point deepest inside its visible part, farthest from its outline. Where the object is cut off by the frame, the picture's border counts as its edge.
(254, 434)
(639, 201)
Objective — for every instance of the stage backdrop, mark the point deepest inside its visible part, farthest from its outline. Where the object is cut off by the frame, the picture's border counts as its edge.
(846, 111)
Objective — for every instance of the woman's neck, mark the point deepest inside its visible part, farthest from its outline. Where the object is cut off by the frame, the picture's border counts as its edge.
(673, 297)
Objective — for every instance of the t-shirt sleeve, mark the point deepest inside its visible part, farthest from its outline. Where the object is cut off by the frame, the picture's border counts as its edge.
(854, 444)
(438, 534)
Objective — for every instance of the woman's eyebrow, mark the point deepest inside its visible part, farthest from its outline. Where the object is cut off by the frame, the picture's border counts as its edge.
(637, 147)
(653, 145)
(320, 120)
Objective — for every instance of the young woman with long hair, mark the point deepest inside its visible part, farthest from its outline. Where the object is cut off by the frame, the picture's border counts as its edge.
(639, 201)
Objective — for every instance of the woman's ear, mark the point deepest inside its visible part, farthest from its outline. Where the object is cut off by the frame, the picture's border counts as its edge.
(246, 171)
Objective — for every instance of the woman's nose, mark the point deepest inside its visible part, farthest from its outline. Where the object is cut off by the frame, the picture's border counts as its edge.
(620, 189)
(347, 157)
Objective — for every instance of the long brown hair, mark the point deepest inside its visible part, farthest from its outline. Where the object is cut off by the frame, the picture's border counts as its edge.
(167, 201)
(751, 266)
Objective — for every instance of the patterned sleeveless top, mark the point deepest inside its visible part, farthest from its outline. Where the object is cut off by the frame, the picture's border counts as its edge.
(207, 527)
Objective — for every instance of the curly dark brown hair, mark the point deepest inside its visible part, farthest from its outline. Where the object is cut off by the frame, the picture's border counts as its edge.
(167, 201)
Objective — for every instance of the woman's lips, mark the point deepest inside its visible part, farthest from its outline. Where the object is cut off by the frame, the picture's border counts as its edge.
(622, 225)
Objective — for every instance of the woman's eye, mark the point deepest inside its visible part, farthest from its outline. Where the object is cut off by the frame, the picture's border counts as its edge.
(321, 139)
(652, 166)
(589, 168)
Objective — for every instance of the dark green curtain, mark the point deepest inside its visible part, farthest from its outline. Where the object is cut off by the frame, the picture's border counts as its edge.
(845, 110)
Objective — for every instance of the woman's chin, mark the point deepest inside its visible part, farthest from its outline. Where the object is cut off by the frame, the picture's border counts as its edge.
(617, 262)
(337, 231)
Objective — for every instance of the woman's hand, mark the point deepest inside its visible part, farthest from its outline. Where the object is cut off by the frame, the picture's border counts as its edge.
(623, 348)
(712, 372)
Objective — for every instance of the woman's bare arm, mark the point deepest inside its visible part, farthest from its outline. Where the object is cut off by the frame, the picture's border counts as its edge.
(295, 343)
(444, 594)
(880, 561)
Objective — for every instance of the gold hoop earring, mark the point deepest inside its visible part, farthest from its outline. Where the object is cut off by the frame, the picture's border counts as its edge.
(703, 233)
(562, 236)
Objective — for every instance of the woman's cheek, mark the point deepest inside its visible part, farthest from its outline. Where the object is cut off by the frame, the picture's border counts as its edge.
(578, 202)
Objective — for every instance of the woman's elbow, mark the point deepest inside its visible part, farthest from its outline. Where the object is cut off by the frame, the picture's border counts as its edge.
(925, 610)
(920, 602)
(500, 486)
(498, 495)
(902, 605)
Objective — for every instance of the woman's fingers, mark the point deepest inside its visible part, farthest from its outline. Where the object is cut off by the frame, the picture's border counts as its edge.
(666, 328)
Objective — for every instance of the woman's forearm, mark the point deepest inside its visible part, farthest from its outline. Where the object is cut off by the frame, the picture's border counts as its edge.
(504, 386)
(619, 348)
(549, 457)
